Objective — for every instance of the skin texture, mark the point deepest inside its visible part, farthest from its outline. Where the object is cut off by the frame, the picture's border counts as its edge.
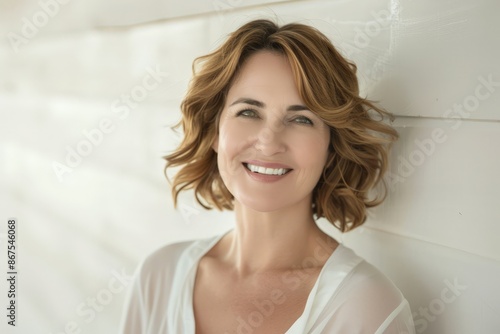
(275, 236)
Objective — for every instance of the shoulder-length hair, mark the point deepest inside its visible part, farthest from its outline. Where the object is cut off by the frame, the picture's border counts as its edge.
(327, 83)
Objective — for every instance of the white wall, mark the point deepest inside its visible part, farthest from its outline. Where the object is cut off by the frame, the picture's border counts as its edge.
(424, 60)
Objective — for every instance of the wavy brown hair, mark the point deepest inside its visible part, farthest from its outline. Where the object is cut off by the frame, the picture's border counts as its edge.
(327, 83)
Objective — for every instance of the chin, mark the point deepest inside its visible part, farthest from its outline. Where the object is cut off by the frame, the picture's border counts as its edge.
(261, 205)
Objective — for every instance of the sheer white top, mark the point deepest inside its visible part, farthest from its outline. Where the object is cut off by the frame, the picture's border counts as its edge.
(349, 296)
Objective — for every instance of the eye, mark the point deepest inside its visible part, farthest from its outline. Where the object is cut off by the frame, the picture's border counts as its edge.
(304, 120)
(245, 112)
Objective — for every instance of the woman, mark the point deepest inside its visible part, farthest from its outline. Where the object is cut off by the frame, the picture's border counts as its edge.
(275, 130)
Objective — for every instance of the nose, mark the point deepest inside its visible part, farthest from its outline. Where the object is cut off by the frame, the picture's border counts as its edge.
(270, 140)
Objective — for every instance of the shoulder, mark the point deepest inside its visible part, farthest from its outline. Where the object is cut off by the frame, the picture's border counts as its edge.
(165, 269)
(361, 277)
(164, 256)
(160, 267)
(167, 260)
(367, 285)
(154, 276)
(173, 260)
(158, 283)
(366, 294)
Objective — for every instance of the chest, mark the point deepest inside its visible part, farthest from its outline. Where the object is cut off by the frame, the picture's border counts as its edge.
(268, 305)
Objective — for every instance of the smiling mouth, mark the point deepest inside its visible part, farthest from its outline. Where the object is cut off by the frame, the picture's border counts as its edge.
(267, 171)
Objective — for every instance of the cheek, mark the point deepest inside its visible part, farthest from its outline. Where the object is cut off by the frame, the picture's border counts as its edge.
(313, 151)
(232, 141)
(226, 150)
(231, 138)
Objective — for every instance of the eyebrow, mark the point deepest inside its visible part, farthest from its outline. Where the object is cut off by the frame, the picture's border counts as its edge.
(259, 104)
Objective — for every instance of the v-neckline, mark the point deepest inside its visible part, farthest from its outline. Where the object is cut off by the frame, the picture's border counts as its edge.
(190, 284)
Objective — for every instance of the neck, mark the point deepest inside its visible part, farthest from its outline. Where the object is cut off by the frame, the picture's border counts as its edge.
(266, 242)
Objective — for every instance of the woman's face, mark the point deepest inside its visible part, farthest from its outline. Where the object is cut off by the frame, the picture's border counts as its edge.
(264, 120)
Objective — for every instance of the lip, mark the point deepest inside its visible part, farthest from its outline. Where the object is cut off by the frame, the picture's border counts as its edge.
(264, 177)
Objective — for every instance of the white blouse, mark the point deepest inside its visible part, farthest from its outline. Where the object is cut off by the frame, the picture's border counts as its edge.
(349, 296)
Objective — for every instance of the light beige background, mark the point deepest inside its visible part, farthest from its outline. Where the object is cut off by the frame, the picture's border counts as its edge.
(67, 67)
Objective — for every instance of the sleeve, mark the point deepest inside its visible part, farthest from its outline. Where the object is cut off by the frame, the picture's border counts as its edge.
(134, 317)
(144, 308)
(370, 304)
(400, 321)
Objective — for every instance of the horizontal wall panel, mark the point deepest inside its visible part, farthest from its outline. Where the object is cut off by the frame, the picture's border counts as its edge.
(443, 185)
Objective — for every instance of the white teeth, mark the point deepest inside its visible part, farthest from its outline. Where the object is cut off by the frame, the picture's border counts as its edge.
(268, 171)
